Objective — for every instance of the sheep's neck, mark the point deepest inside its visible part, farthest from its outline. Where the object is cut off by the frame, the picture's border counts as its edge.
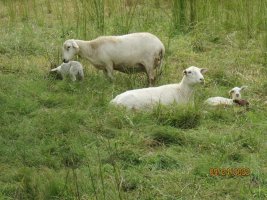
(84, 49)
(186, 90)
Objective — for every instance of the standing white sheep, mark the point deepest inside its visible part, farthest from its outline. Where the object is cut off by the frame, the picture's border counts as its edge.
(73, 69)
(136, 52)
(180, 93)
(235, 94)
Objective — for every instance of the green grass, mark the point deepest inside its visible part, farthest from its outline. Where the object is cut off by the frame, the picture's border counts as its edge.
(62, 140)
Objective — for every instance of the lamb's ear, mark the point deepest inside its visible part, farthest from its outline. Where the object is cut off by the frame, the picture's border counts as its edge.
(203, 70)
(230, 93)
(74, 44)
(243, 87)
(52, 70)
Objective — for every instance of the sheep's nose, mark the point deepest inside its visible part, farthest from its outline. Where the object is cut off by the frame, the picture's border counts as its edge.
(237, 95)
(201, 79)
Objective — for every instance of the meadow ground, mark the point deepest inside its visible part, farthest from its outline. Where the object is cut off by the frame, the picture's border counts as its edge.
(62, 140)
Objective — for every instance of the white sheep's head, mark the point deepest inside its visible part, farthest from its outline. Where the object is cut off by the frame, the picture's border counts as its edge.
(194, 75)
(70, 49)
(235, 93)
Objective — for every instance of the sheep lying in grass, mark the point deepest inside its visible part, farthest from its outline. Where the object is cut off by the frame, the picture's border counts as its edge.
(235, 98)
(73, 69)
(136, 52)
(180, 93)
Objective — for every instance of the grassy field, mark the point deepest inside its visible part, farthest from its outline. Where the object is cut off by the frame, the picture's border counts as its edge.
(62, 140)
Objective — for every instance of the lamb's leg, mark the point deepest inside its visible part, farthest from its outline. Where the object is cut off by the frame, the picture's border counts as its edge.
(73, 77)
(81, 75)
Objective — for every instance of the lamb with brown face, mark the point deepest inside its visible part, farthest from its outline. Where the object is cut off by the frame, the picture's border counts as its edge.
(235, 95)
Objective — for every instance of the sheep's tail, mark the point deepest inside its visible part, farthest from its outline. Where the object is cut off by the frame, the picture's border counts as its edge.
(159, 62)
(161, 54)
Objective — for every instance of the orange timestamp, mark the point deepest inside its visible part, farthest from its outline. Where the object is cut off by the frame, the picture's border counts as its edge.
(230, 171)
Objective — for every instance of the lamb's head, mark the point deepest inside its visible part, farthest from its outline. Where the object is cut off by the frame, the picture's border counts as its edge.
(194, 75)
(70, 49)
(235, 93)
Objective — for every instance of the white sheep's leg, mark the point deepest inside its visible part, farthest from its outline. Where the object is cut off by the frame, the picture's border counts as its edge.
(150, 77)
(109, 71)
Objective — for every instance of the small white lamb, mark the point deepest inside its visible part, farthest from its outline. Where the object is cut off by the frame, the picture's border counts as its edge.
(235, 94)
(180, 93)
(73, 69)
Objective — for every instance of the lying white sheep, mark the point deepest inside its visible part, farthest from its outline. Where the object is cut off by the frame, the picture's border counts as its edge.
(180, 93)
(235, 94)
(136, 52)
(73, 69)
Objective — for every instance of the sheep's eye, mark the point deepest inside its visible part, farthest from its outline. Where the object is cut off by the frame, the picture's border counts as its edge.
(189, 72)
(68, 47)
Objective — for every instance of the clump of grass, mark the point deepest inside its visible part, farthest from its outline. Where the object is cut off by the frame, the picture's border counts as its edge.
(179, 117)
(107, 132)
(219, 115)
(204, 165)
(163, 162)
(263, 88)
(127, 158)
(53, 188)
(72, 159)
(129, 184)
(250, 144)
(228, 114)
(28, 187)
(167, 137)
(235, 156)
(120, 122)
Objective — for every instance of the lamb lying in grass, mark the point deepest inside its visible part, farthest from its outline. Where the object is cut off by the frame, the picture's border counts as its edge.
(235, 98)
(180, 93)
(73, 69)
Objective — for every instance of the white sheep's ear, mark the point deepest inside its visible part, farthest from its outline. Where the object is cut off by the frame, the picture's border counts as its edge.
(243, 87)
(203, 70)
(74, 44)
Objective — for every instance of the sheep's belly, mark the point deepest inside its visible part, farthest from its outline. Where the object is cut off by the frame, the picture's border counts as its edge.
(130, 69)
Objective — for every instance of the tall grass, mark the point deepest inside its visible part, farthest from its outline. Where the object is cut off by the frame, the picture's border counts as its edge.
(99, 14)
(248, 17)
(244, 15)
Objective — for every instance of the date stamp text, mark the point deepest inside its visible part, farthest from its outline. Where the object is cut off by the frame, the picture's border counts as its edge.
(230, 171)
